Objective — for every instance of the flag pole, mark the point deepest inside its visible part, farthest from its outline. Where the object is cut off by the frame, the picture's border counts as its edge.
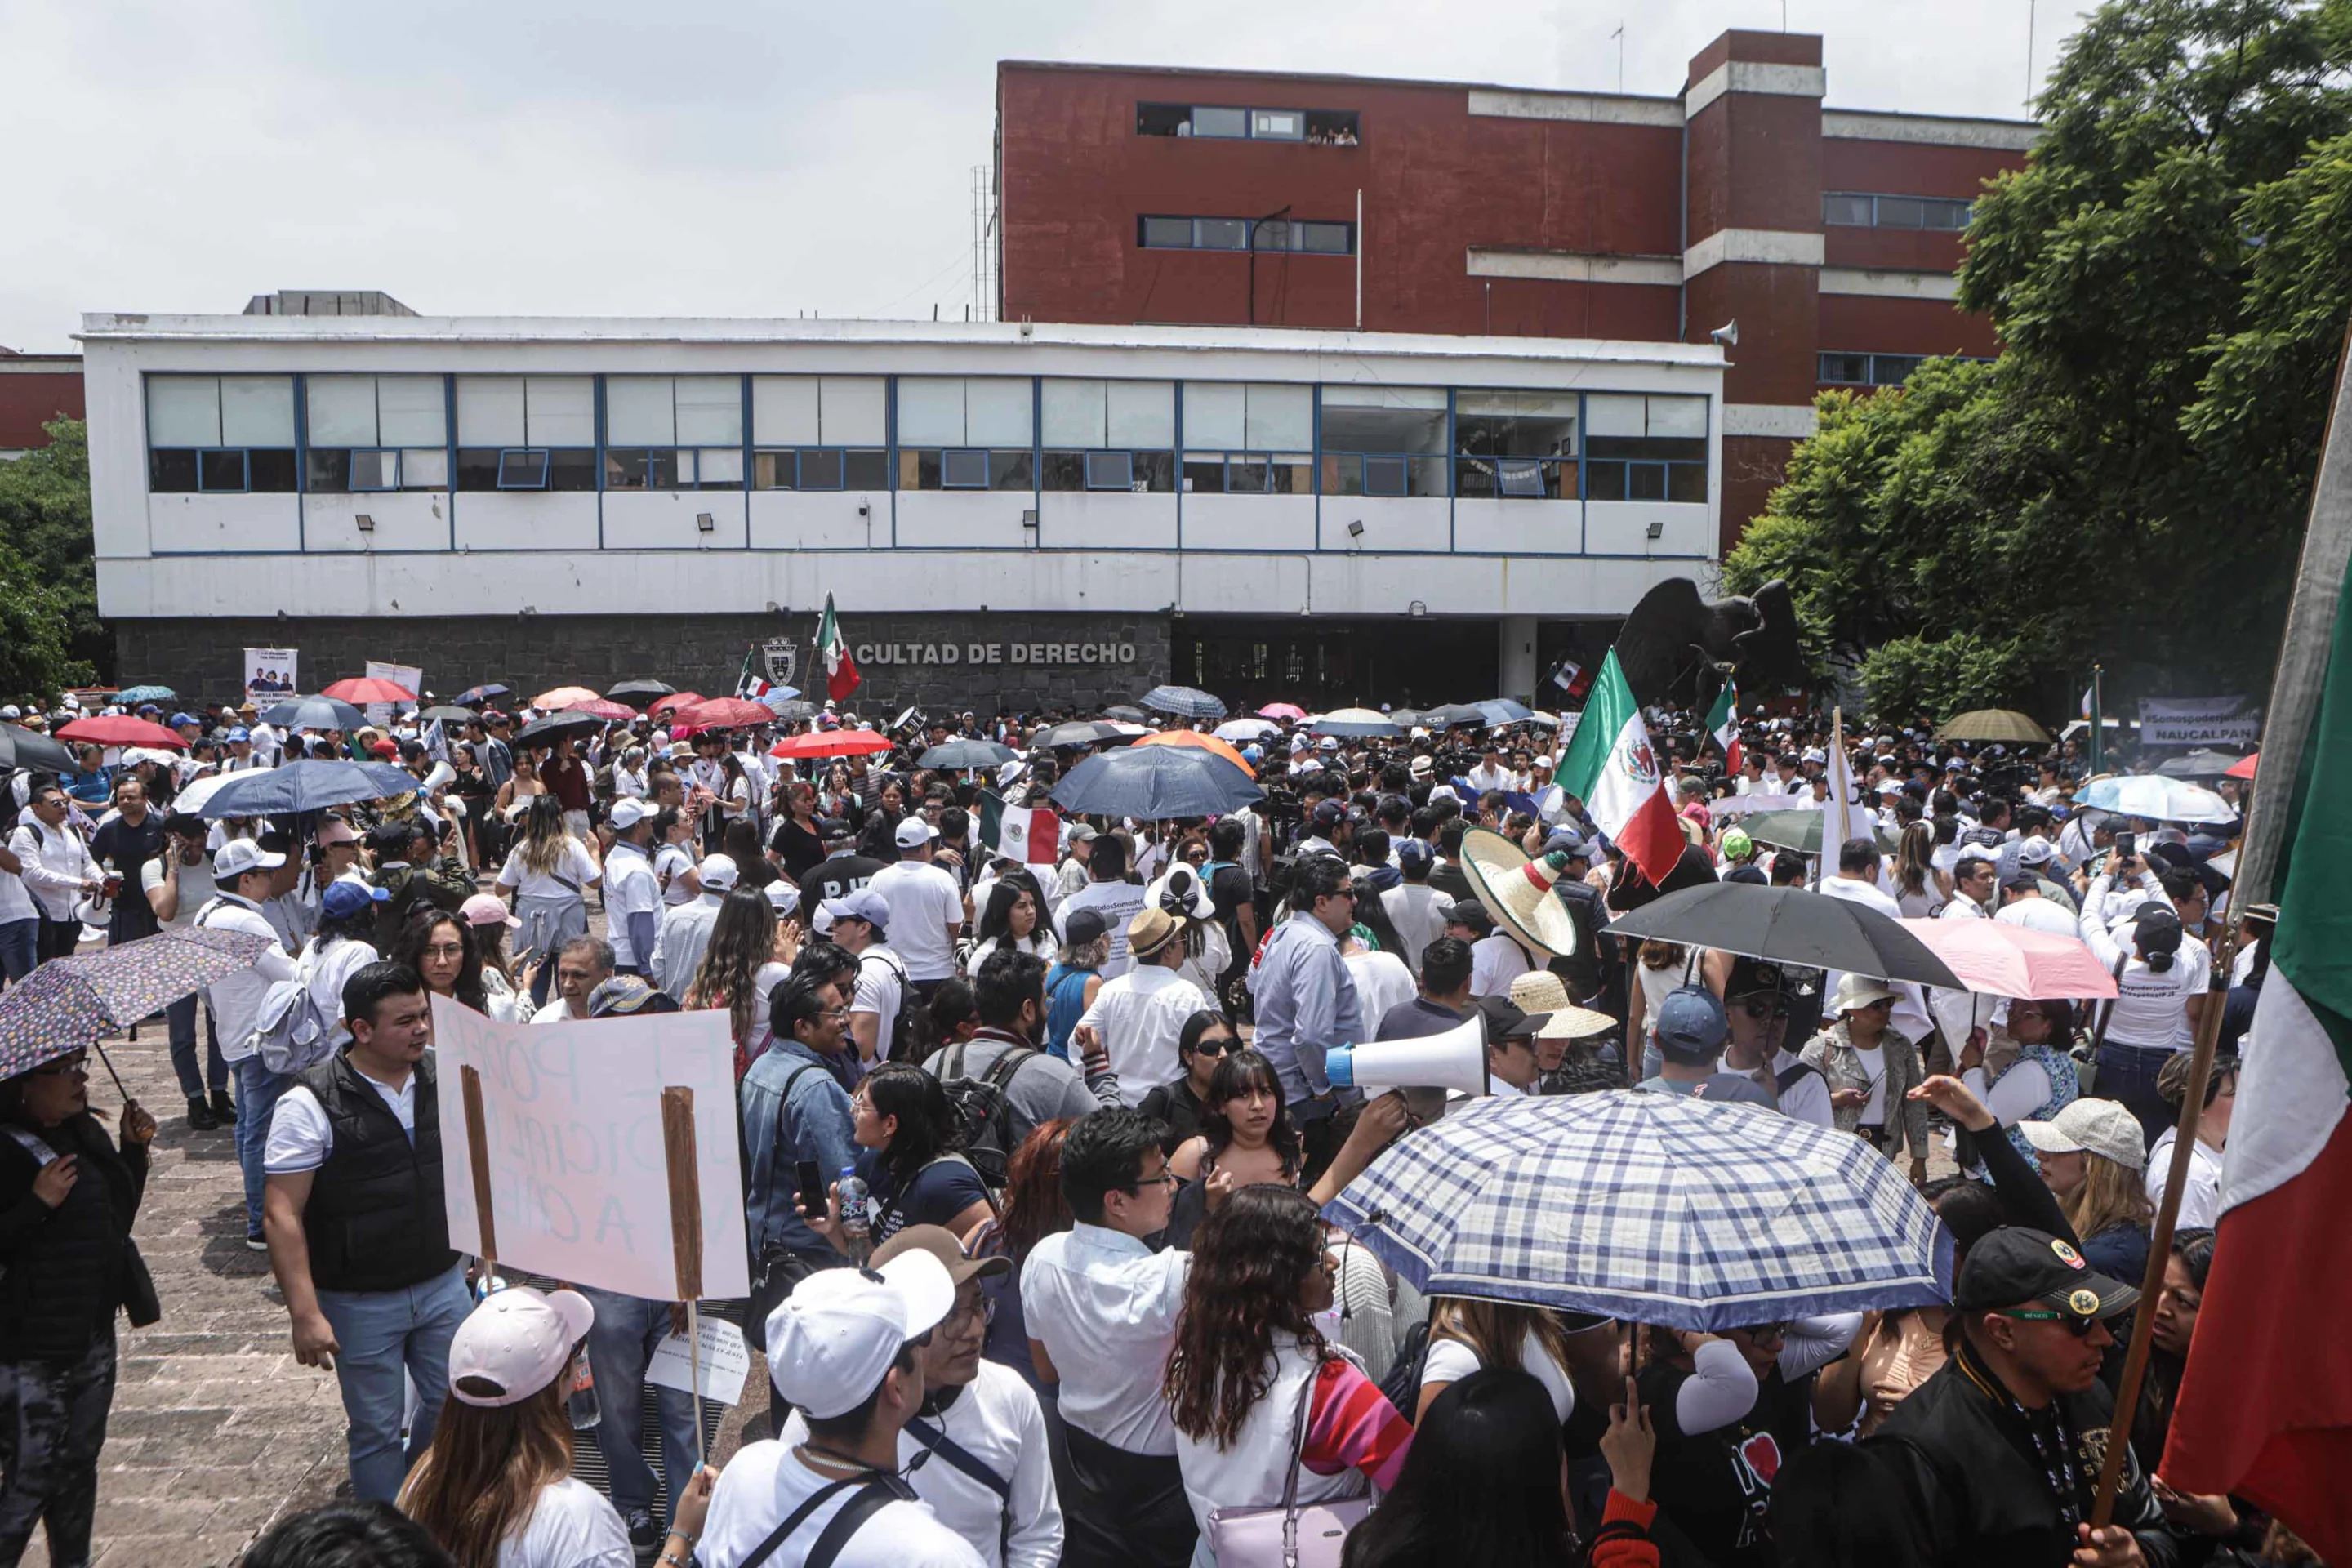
(2299, 678)
(2098, 754)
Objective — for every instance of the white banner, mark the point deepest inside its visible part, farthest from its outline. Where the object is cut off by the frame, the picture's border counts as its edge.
(573, 1113)
(270, 673)
(406, 676)
(1747, 805)
(2198, 721)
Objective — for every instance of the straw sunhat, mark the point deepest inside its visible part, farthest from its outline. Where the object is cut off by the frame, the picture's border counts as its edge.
(1517, 891)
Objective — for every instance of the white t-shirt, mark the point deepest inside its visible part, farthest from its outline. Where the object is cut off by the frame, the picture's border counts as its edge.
(924, 900)
(573, 866)
(572, 1526)
(300, 1136)
(764, 1484)
(196, 887)
(1382, 982)
(630, 890)
(670, 863)
(1873, 1062)
(880, 990)
(1118, 903)
(2200, 1200)
(1495, 961)
(1451, 1361)
(2045, 915)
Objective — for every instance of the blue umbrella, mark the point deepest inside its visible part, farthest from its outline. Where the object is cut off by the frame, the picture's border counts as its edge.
(475, 694)
(314, 713)
(147, 694)
(305, 787)
(1152, 783)
(1184, 701)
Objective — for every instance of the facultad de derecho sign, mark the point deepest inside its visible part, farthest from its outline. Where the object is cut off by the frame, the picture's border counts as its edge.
(868, 653)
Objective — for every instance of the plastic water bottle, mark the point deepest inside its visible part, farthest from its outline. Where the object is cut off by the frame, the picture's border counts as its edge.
(852, 1194)
(582, 1401)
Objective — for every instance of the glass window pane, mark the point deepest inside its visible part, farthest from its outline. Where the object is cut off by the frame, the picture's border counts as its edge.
(626, 467)
(820, 469)
(1174, 232)
(639, 411)
(342, 410)
(1213, 415)
(522, 469)
(1247, 475)
(477, 468)
(866, 470)
(183, 411)
(667, 468)
(784, 410)
(1063, 471)
(1221, 234)
(1901, 211)
(559, 410)
(1160, 119)
(1843, 368)
(772, 471)
(1519, 477)
(424, 469)
(1010, 471)
(327, 470)
(1686, 482)
(1292, 474)
(1343, 474)
(1073, 412)
(1384, 475)
(271, 471)
(1271, 234)
(489, 411)
(1278, 125)
(1280, 417)
(999, 411)
(1361, 429)
(1140, 414)
(1205, 475)
(1678, 417)
(1606, 481)
(1611, 414)
(257, 411)
(376, 470)
(855, 411)
(710, 410)
(1110, 471)
(1839, 209)
(172, 473)
(572, 469)
(220, 471)
(718, 465)
(1214, 122)
(411, 411)
(931, 411)
(963, 469)
(1646, 482)
(1324, 238)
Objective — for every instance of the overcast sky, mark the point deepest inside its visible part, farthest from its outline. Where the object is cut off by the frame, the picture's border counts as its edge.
(612, 157)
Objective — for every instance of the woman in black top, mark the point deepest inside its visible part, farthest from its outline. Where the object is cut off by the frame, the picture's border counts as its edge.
(68, 1197)
(796, 840)
(473, 786)
(1200, 1046)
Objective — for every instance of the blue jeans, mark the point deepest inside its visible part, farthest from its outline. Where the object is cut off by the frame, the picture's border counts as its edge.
(258, 1089)
(182, 1017)
(2127, 1073)
(620, 1345)
(20, 948)
(382, 1334)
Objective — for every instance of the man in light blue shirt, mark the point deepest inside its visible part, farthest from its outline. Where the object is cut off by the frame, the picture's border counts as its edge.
(1306, 1002)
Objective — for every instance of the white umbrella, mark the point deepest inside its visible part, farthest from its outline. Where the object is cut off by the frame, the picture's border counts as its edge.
(1241, 731)
(2156, 798)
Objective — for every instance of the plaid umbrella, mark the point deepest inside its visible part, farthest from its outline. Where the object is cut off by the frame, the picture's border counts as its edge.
(1651, 1207)
(70, 1003)
(1184, 701)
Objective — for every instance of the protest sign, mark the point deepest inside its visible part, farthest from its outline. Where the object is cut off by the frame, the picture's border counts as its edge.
(725, 1362)
(407, 676)
(270, 673)
(572, 1123)
(2198, 721)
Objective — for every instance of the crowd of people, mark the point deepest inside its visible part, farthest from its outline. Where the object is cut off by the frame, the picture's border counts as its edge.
(1036, 1150)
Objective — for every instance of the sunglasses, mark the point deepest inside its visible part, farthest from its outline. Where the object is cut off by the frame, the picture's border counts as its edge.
(1761, 1008)
(1226, 1047)
(2076, 1325)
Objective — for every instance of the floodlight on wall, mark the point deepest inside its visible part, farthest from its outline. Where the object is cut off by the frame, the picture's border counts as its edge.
(705, 521)
(1417, 609)
(366, 523)
(1657, 531)
(1356, 528)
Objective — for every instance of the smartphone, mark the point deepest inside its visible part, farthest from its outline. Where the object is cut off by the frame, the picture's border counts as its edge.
(2126, 846)
(813, 1192)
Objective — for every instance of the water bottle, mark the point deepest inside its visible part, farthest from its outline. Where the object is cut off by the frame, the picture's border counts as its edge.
(852, 1194)
(582, 1401)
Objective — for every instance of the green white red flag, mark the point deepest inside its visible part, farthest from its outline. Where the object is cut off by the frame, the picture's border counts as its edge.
(1032, 835)
(841, 677)
(1610, 767)
(1723, 723)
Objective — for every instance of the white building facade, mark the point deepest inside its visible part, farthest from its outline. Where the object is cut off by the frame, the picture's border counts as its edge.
(1329, 516)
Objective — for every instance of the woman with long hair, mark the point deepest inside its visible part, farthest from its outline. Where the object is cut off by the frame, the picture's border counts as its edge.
(1467, 1334)
(673, 866)
(912, 1164)
(1919, 887)
(1244, 1127)
(2185, 1269)
(441, 948)
(495, 1488)
(522, 786)
(1248, 1356)
(472, 786)
(740, 842)
(1659, 968)
(1184, 894)
(1034, 1207)
(2161, 972)
(342, 945)
(739, 971)
(487, 914)
(2092, 1161)
(549, 873)
(1184, 1103)
(1013, 919)
(797, 840)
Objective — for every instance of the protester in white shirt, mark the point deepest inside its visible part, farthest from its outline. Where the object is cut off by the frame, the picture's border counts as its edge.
(58, 871)
(633, 903)
(242, 874)
(860, 923)
(685, 928)
(2160, 978)
(925, 906)
(1495, 959)
(2200, 1198)
(2022, 904)
(1110, 893)
(1138, 1016)
(549, 873)
(1382, 981)
(1415, 910)
(840, 1352)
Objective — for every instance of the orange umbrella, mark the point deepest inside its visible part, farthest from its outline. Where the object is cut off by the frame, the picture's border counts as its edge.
(566, 697)
(2244, 768)
(1196, 737)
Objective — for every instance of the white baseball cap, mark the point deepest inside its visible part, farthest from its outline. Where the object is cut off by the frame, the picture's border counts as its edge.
(516, 1343)
(718, 873)
(239, 856)
(839, 1333)
(627, 812)
(2097, 1126)
(913, 833)
(783, 895)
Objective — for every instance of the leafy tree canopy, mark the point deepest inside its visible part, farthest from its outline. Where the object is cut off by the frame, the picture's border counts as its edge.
(49, 634)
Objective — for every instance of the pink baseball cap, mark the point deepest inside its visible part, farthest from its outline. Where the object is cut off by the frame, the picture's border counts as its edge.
(516, 1343)
(486, 910)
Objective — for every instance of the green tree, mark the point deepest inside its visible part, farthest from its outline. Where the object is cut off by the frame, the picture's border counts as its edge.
(2170, 275)
(45, 531)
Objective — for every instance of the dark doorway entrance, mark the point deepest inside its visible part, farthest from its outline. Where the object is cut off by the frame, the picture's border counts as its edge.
(1322, 663)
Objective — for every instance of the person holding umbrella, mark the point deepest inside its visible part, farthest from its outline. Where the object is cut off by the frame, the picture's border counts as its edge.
(68, 1197)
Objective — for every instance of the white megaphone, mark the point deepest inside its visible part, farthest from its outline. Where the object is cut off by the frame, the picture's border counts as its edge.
(1455, 1059)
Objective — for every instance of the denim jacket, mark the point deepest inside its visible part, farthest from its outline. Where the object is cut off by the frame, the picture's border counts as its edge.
(814, 1124)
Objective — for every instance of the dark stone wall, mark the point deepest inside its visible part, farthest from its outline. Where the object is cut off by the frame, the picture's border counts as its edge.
(203, 659)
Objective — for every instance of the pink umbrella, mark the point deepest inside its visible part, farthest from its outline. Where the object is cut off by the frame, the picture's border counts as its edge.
(1996, 960)
(597, 707)
(367, 689)
(1282, 711)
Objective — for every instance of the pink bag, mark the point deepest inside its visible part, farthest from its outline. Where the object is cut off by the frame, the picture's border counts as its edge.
(1289, 1535)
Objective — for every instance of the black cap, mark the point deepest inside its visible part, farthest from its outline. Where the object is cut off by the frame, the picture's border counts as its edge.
(2013, 1265)
(1506, 1021)
(1750, 976)
(1086, 926)
(1469, 912)
(1329, 814)
(2156, 928)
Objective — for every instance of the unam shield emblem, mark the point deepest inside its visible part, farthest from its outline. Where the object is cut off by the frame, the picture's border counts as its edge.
(1640, 763)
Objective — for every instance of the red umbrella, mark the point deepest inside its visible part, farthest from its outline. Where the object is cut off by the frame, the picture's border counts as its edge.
(367, 689)
(830, 744)
(2244, 768)
(119, 730)
(722, 713)
(676, 699)
(619, 712)
(1996, 960)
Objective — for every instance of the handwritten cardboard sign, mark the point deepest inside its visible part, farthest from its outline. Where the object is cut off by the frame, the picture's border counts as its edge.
(725, 1362)
(572, 1114)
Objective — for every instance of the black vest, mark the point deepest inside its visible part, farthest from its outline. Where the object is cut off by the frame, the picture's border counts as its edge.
(375, 1219)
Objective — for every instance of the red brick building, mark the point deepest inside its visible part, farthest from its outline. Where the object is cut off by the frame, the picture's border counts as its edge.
(1831, 236)
(34, 390)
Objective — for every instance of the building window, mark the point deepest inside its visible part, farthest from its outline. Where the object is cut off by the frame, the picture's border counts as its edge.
(1249, 439)
(1846, 369)
(1306, 237)
(673, 432)
(1850, 209)
(526, 433)
(220, 434)
(1384, 441)
(1646, 449)
(373, 433)
(1108, 435)
(966, 433)
(1517, 444)
(820, 433)
(1315, 127)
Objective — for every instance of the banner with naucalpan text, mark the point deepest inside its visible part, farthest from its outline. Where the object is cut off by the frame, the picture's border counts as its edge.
(2198, 721)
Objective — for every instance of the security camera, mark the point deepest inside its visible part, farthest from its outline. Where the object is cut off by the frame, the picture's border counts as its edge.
(1726, 334)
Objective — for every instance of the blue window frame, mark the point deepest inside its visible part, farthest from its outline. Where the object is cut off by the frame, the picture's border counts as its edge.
(1110, 470)
(820, 469)
(224, 471)
(375, 468)
(1227, 122)
(522, 468)
(963, 469)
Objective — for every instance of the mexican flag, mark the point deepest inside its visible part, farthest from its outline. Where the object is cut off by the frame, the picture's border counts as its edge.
(749, 685)
(2265, 1407)
(1027, 833)
(1610, 767)
(841, 677)
(1723, 723)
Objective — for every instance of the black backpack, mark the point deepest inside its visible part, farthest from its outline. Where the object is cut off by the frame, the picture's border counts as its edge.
(911, 1036)
(984, 1111)
(1402, 1386)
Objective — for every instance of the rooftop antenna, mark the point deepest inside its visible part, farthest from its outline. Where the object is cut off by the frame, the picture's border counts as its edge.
(1620, 36)
(2031, 6)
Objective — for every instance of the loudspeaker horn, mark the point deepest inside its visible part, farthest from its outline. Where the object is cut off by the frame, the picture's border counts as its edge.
(1455, 1059)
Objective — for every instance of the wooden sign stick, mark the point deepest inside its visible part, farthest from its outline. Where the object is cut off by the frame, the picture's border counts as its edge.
(686, 1230)
(478, 1155)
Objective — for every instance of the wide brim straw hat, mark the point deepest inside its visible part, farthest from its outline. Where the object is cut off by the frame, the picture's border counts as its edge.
(1517, 890)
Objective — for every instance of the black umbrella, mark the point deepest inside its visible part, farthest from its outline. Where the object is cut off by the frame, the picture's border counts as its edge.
(965, 753)
(1791, 925)
(639, 693)
(1799, 829)
(1082, 732)
(315, 713)
(796, 711)
(477, 695)
(1454, 714)
(557, 727)
(2202, 764)
(1126, 713)
(21, 747)
(1152, 783)
(448, 715)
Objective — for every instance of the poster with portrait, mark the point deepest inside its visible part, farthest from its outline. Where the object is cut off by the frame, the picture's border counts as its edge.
(269, 674)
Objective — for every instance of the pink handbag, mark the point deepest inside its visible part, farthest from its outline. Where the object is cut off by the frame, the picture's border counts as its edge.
(1291, 1534)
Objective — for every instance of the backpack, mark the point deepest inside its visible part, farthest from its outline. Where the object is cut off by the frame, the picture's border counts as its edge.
(911, 1036)
(1402, 1386)
(290, 1033)
(984, 1110)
